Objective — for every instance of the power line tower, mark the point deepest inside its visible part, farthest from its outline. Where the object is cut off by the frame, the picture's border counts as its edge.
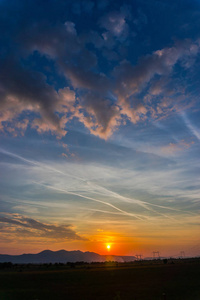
(156, 254)
(138, 256)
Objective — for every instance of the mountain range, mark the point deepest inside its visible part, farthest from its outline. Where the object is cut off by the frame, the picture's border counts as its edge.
(62, 256)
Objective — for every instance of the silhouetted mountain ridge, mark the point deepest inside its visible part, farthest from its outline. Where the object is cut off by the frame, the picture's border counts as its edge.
(62, 256)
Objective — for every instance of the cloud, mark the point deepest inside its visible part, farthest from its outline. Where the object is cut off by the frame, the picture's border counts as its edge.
(24, 90)
(115, 25)
(30, 98)
(194, 130)
(173, 148)
(131, 80)
(103, 116)
(14, 223)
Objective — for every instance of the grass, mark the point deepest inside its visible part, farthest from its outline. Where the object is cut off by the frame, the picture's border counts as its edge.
(179, 281)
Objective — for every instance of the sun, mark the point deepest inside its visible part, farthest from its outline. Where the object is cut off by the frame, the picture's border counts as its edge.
(108, 247)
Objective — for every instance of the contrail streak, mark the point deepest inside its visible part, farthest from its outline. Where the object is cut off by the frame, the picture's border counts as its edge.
(30, 161)
(103, 202)
(139, 202)
(100, 188)
(36, 163)
(195, 131)
(90, 198)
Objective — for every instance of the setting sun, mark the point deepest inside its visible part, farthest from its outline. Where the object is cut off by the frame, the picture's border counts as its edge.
(108, 247)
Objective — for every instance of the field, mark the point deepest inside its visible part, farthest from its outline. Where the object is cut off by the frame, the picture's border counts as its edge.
(178, 280)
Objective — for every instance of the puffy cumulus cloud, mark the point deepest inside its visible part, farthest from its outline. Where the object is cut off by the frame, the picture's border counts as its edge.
(100, 117)
(18, 128)
(25, 227)
(67, 152)
(24, 90)
(132, 81)
(115, 25)
(53, 40)
(28, 98)
(70, 27)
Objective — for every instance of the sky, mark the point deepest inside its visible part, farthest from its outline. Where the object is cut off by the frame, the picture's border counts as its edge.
(100, 126)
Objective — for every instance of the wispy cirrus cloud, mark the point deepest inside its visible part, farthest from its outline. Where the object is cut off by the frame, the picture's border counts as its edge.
(174, 148)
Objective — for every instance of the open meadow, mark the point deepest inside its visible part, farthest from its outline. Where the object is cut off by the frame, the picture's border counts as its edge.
(152, 280)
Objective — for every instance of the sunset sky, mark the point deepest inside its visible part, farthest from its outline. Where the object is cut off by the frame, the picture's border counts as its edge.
(100, 126)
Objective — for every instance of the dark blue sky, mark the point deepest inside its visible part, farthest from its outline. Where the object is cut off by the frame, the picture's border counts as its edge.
(99, 120)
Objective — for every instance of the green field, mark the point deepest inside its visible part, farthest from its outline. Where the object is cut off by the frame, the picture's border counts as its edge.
(137, 281)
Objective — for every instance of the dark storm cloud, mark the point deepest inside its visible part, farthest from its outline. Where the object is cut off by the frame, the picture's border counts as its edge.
(31, 227)
(84, 54)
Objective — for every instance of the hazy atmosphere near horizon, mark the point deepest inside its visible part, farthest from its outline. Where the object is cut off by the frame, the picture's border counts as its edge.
(100, 126)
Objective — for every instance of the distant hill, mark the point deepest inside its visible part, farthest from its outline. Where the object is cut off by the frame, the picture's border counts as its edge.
(62, 256)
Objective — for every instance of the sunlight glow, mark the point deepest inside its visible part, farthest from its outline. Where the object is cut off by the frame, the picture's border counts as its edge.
(108, 247)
